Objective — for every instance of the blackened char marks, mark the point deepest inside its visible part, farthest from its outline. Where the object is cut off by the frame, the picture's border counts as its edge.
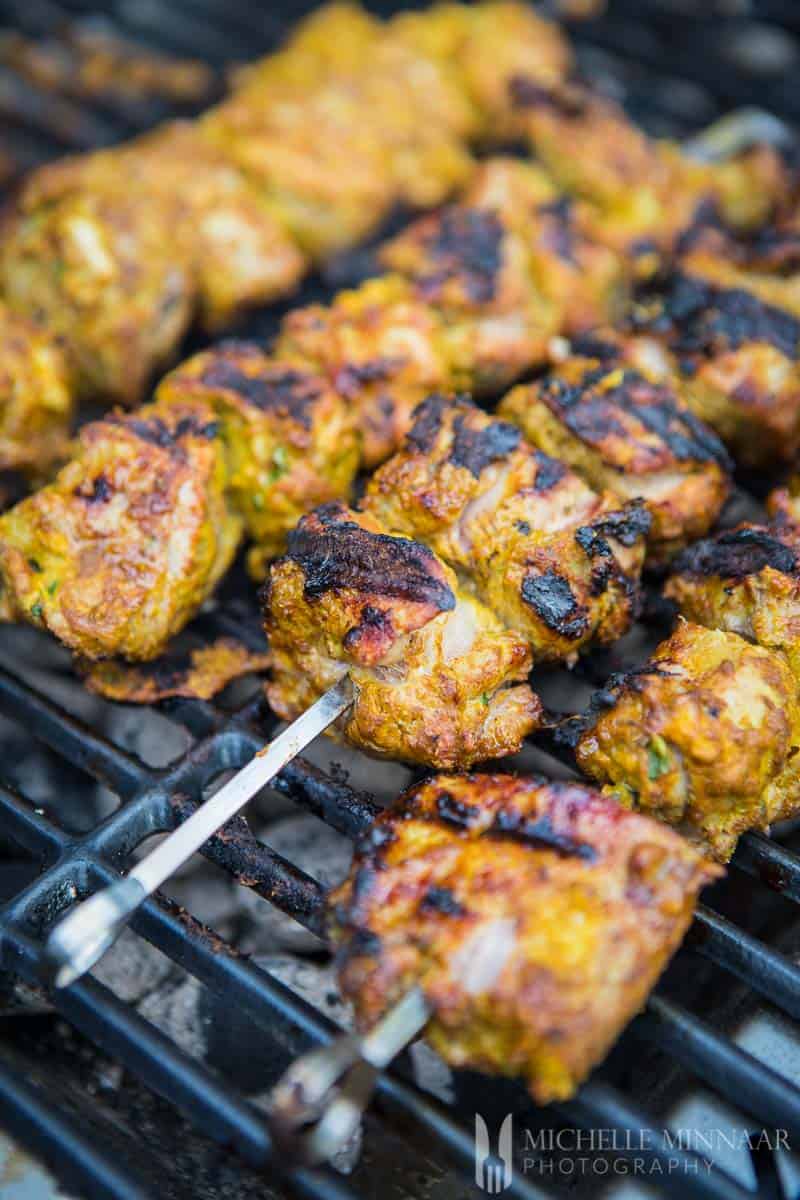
(352, 377)
(708, 320)
(96, 491)
(427, 417)
(455, 812)
(549, 472)
(158, 433)
(565, 99)
(737, 554)
(467, 244)
(627, 525)
(540, 833)
(553, 601)
(335, 553)
(284, 391)
(558, 233)
(441, 900)
(474, 448)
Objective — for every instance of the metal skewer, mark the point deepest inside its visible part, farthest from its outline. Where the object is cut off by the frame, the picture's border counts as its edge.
(85, 933)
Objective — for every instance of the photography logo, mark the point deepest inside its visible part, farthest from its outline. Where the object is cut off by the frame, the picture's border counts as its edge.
(493, 1170)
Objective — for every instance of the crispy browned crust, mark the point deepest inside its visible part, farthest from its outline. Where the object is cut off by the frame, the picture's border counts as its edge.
(557, 562)
(437, 678)
(291, 440)
(199, 675)
(120, 551)
(35, 398)
(746, 581)
(625, 430)
(582, 902)
(704, 736)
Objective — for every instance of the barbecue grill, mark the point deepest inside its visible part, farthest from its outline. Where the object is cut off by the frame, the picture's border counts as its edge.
(79, 796)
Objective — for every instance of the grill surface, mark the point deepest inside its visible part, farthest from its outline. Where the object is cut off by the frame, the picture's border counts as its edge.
(77, 799)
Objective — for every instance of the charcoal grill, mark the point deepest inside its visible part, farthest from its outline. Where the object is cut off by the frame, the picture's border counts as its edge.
(676, 70)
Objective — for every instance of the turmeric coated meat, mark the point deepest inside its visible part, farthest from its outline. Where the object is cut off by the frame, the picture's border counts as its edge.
(736, 340)
(118, 553)
(437, 679)
(291, 440)
(534, 916)
(557, 562)
(35, 397)
(381, 347)
(746, 581)
(704, 736)
(623, 430)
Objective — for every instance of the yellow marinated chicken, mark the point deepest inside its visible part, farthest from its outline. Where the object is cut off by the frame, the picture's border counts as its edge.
(437, 679)
(477, 271)
(120, 551)
(746, 581)
(735, 341)
(554, 560)
(624, 431)
(35, 398)
(585, 280)
(381, 347)
(240, 254)
(705, 736)
(102, 270)
(291, 441)
(644, 194)
(488, 46)
(535, 917)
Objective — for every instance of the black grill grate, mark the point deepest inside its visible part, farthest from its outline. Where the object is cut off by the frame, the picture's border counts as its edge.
(673, 81)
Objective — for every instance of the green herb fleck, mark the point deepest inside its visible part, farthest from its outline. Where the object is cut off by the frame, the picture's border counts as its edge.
(258, 501)
(37, 611)
(52, 588)
(35, 565)
(658, 757)
(486, 698)
(280, 464)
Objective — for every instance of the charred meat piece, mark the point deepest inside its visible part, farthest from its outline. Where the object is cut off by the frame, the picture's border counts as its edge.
(735, 338)
(705, 736)
(623, 430)
(585, 280)
(437, 679)
(535, 917)
(746, 581)
(291, 440)
(35, 398)
(643, 194)
(557, 562)
(478, 272)
(199, 674)
(118, 553)
(783, 504)
(381, 347)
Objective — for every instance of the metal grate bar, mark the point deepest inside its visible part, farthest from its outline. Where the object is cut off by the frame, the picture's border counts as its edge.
(766, 971)
(38, 1126)
(770, 863)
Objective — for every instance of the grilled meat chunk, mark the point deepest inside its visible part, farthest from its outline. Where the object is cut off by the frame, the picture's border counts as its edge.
(643, 194)
(103, 271)
(437, 678)
(557, 562)
(736, 342)
(705, 736)
(583, 279)
(382, 348)
(291, 440)
(118, 553)
(746, 581)
(35, 398)
(623, 430)
(487, 46)
(783, 504)
(477, 271)
(535, 916)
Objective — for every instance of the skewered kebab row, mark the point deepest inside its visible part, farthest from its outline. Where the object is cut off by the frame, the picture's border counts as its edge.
(35, 398)
(437, 678)
(118, 250)
(534, 916)
(642, 195)
(554, 560)
(705, 736)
